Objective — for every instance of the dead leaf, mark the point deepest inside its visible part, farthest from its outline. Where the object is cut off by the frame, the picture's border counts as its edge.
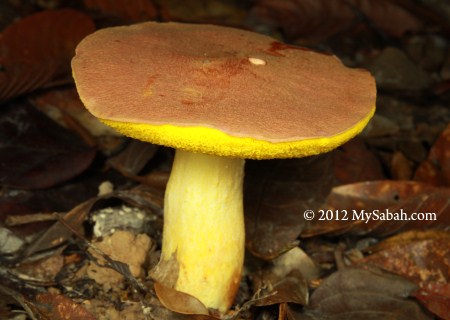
(435, 170)
(277, 192)
(436, 298)
(36, 50)
(395, 71)
(398, 205)
(179, 301)
(42, 271)
(355, 294)
(65, 108)
(274, 289)
(57, 199)
(121, 10)
(36, 152)
(421, 257)
(408, 237)
(133, 158)
(283, 280)
(295, 259)
(59, 307)
(401, 167)
(222, 12)
(354, 162)
(155, 179)
(166, 271)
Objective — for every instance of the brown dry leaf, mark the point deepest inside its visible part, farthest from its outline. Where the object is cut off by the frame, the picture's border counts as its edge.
(36, 50)
(422, 257)
(393, 202)
(138, 11)
(436, 298)
(390, 16)
(155, 179)
(277, 192)
(284, 280)
(316, 20)
(15, 203)
(42, 271)
(65, 107)
(58, 233)
(58, 307)
(355, 294)
(133, 158)
(179, 301)
(291, 287)
(37, 153)
(419, 256)
(394, 71)
(435, 170)
(401, 167)
(409, 237)
(295, 259)
(222, 12)
(354, 162)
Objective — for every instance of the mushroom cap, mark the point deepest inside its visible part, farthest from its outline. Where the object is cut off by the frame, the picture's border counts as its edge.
(220, 90)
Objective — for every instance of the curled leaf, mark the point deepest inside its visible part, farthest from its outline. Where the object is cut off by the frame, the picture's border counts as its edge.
(179, 301)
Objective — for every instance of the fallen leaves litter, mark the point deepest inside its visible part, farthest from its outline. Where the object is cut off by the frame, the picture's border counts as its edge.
(316, 20)
(50, 180)
(58, 233)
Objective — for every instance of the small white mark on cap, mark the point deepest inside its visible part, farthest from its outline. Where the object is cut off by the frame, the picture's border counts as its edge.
(257, 61)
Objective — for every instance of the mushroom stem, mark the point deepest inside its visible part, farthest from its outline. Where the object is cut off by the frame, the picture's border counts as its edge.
(204, 226)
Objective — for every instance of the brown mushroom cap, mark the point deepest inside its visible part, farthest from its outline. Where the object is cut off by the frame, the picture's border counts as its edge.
(241, 83)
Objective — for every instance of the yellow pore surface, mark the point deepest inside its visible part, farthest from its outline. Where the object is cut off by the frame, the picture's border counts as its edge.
(204, 226)
(213, 141)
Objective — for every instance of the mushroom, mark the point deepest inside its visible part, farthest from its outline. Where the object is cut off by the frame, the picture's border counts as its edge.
(217, 95)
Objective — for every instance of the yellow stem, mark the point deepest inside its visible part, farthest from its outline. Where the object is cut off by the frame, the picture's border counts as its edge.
(204, 226)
